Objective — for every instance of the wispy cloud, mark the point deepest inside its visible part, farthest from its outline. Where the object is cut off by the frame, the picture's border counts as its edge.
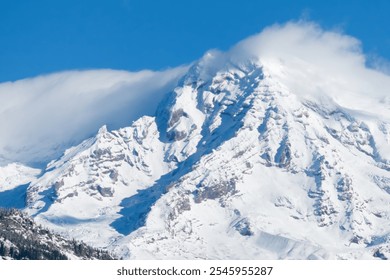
(42, 115)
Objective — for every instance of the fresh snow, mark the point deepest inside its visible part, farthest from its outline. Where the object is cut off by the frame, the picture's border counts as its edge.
(14, 174)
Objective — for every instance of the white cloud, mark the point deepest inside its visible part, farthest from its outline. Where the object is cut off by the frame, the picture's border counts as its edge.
(314, 63)
(42, 115)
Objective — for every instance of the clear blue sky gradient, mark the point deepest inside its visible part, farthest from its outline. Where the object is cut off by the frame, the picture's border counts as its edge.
(44, 36)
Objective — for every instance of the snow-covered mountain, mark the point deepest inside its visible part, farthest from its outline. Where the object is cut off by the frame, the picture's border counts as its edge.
(257, 153)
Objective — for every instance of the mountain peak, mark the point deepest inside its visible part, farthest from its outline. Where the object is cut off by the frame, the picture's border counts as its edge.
(102, 130)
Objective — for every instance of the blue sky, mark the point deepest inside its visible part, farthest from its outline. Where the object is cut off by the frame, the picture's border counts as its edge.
(45, 36)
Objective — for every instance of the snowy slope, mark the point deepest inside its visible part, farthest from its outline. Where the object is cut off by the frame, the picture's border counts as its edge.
(86, 186)
(15, 174)
(257, 153)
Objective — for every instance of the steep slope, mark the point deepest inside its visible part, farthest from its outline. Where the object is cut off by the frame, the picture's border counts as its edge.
(21, 238)
(83, 191)
(253, 155)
